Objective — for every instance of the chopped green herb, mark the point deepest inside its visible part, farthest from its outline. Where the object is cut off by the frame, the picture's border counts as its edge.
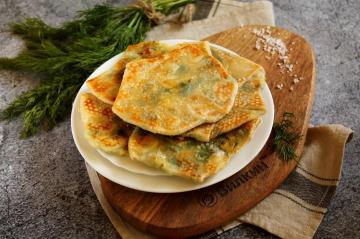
(173, 161)
(185, 88)
(181, 70)
(205, 150)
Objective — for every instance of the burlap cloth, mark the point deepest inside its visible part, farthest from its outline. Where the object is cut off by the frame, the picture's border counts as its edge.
(296, 208)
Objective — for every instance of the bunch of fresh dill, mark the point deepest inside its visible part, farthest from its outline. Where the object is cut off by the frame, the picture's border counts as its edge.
(66, 56)
(285, 137)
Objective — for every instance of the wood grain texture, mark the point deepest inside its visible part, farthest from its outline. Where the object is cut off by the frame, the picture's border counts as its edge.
(186, 214)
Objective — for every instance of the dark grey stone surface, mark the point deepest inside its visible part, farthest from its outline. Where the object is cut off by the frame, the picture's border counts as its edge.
(44, 188)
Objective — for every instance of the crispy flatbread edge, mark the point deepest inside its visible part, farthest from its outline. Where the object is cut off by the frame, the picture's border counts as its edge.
(94, 142)
(207, 138)
(255, 123)
(95, 93)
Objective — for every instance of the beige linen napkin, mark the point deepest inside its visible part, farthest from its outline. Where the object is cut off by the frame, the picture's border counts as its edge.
(297, 207)
(222, 15)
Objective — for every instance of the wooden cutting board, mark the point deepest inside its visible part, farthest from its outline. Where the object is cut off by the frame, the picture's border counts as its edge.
(186, 214)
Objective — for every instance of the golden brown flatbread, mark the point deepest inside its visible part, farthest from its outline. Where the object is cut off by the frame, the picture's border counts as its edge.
(175, 92)
(102, 128)
(239, 67)
(186, 157)
(106, 85)
(248, 104)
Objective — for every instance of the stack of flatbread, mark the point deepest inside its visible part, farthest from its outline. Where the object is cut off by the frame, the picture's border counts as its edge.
(185, 109)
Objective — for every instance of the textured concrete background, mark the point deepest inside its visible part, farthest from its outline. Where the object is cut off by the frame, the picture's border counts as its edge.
(44, 188)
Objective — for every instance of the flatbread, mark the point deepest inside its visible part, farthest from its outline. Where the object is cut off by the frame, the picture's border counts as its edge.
(248, 103)
(102, 128)
(239, 67)
(175, 92)
(106, 85)
(186, 157)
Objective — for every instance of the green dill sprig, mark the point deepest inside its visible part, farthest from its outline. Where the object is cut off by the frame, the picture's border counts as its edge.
(67, 55)
(285, 137)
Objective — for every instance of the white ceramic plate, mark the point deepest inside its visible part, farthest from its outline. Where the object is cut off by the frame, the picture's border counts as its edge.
(143, 180)
(131, 165)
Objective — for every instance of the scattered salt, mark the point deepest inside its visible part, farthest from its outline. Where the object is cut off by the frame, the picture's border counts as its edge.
(273, 45)
(290, 67)
(257, 45)
(270, 44)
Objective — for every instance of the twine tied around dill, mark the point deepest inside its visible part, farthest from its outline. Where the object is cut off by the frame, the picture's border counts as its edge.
(148, 8)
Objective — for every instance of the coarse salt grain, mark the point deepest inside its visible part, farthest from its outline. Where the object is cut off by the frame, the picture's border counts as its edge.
(279, 86)
(290, 67)
(257, 45)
